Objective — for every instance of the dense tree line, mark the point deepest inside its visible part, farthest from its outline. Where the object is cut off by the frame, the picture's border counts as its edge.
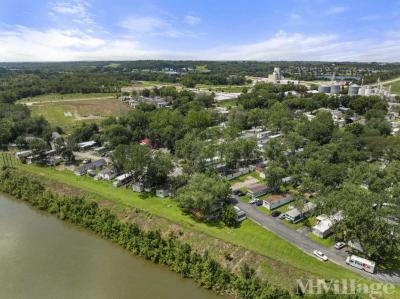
(16, 123)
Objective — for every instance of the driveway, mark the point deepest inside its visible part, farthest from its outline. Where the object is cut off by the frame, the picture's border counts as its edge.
(298, 239)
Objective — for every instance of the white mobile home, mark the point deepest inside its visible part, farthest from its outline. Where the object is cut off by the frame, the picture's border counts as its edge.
(276, 201)
(325, 224)
(258, 190)
(137, 187)
(294, 215)
(122, 180)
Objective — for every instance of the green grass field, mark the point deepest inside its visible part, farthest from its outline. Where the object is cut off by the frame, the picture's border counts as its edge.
(327, 242)
(249, 235)
(395, 87)
(63, 97)
(83, 110)
(222, 88)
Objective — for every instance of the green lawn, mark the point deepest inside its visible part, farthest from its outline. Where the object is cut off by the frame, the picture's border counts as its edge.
(222, 88)
(327, 242)
(248, 235)
(8, 159)
(395, 87)
(82, 110)
(63, 97)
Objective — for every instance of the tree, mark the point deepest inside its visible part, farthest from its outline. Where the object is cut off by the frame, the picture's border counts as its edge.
(133, 158)
(229, 216)
(146, 166)
(274, 176)
(204, 196)
(37, 145)
(158, 169)
(364, 222)
(320, 129)
(116, 134)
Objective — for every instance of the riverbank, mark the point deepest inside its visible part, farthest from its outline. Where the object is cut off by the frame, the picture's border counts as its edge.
(43, 257)
(272, 257)
(170, 251)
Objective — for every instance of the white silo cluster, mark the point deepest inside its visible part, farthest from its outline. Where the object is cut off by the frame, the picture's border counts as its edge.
(366, 90)
(353, 89)
(333, 88)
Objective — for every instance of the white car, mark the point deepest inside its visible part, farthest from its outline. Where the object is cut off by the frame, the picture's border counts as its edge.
(253, 201)
(320, 255)
(340, 245)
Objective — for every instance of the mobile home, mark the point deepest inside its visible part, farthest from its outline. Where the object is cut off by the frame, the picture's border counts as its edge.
(122, 180)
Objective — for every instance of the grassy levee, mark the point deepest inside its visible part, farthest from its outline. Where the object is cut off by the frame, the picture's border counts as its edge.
(249, 235)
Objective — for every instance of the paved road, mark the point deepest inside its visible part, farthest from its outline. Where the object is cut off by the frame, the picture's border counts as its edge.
(307, 245)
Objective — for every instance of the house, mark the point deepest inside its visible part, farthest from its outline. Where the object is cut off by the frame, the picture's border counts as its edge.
(240, 215)
(325, 224)
(107, 174)
(50, 153)
(138, 187)
(146, 141)
(294, 215)
(36, 158)
(258, 190)
(276, 201)
(54, 160)
(23, 154)
(98, 164)
(122, 180)
(163, 192)
(86, 145)
(55, 136)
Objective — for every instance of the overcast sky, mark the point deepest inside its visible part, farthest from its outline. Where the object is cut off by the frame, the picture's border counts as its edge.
(352, 30)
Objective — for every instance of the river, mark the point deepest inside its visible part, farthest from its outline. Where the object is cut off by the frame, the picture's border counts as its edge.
(43, 257)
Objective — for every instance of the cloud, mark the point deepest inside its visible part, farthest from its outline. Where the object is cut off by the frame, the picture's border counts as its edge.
(26, 44)
(335, 10)
(77, 10)
(145, 24)
(192, 20)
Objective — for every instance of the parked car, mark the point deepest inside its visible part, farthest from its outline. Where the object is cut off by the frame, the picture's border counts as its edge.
(239, 193)
(253, 201)
(320, 255)
(91, 172)
(86, 161)
(282, 216)
(259, 203)
(340, 245)
(275, 213)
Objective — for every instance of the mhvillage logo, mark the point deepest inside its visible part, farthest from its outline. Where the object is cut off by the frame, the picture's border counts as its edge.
(343, 287)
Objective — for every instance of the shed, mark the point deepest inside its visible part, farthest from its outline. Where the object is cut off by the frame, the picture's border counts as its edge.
(163, 192)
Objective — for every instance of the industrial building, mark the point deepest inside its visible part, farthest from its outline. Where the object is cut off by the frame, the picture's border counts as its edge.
(366, 90)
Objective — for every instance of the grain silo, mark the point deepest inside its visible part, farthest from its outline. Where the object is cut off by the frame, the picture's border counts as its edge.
(335, 89)
(353, 89)
(324, 89)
